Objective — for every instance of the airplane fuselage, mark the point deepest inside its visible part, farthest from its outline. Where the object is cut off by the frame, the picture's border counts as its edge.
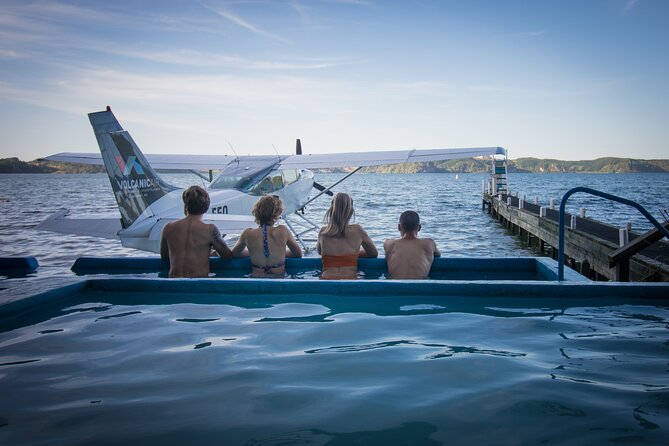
(232, 204)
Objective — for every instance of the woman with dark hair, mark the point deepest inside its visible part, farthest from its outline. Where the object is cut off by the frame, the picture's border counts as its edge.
(340, 243)
(266, 244)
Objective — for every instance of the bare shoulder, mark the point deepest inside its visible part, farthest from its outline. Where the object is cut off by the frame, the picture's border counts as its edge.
(284, 231)
(214, 229)
(357, 228)
(168, 227)
(429, 243)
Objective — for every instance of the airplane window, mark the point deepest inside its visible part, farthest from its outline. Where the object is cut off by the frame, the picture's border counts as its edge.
(290, 176)
(277, 180)
(263, 187)
(225, 182)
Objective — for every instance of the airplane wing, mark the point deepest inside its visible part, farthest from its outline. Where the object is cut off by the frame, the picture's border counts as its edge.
(348, 159)
(157, 161)
(145, 235)
(103, 227)
(363, 159)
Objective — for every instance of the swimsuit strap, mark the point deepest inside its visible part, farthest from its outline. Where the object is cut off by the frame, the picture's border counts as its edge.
(268, 268)
(265, 245)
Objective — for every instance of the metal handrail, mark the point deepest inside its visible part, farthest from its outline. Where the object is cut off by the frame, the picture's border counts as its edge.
(587, 190)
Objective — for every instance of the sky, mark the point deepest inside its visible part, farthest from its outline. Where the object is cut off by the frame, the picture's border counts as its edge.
(562, 79)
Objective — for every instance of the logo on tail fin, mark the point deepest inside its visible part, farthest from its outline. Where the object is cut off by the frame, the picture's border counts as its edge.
(128, 166)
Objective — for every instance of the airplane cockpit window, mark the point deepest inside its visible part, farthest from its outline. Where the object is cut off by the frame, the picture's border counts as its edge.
(290, 176)
(225, 182)
(272, 182)
(249, 180)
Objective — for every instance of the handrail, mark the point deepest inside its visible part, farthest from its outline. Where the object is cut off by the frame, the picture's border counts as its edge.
(587, 190)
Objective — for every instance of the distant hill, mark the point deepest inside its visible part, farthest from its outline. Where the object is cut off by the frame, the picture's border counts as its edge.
(600, 165)
(466, 165)
(14, 165)
(530, 165)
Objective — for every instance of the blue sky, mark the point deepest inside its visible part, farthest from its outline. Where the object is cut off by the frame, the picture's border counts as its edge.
(567, 79)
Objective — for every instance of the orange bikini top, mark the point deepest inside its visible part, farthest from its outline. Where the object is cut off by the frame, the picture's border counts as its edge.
(350, 260)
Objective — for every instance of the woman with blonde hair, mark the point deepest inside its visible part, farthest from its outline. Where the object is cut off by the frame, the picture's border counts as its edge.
(267, 243)
(340, 243)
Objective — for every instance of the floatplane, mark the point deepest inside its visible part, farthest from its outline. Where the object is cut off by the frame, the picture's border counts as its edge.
(146, 202)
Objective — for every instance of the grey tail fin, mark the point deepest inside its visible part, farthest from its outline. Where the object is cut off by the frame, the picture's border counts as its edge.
(134, 182)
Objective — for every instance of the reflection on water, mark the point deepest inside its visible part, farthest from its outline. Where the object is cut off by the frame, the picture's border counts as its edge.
(130, 368)
(410, 433)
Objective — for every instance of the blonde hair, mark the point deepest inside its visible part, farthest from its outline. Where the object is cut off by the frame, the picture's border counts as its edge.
(267, 210)
(338, 215)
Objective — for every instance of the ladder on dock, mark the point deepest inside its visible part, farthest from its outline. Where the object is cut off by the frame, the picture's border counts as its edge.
(498, 174)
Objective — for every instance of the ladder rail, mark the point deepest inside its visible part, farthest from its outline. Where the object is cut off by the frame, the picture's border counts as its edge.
(590, 191)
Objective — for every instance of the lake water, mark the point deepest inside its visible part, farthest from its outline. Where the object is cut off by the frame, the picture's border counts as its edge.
(450, 209)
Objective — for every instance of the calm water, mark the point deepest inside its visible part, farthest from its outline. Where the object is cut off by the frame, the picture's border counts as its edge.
(450, 209)
(322, 371)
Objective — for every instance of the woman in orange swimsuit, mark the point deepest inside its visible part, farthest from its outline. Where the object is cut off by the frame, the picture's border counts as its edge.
(267, 243)
(340, 243)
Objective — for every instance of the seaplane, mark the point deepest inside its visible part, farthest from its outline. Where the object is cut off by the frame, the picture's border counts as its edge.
(146, 202)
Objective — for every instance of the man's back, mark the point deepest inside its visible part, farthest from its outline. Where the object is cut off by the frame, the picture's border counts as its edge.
(410, 258)
(189, 242)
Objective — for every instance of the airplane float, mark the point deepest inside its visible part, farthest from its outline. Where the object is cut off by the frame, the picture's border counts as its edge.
(146, 202)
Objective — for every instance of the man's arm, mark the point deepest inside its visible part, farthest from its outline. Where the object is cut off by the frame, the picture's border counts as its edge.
(437, 253)
(294, 249)
(241, 244)
(164, 249)
(388, 246)
(219, 244)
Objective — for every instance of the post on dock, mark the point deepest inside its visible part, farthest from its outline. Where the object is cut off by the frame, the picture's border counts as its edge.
(521, 203)
(542, 212)
(581, 212)
(573, 223)
(623, 237)
(552, 204)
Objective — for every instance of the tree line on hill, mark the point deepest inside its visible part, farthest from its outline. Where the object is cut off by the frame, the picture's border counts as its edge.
(466, 165)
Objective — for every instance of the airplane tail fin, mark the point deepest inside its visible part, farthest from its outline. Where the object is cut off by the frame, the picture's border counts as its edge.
(134, 182)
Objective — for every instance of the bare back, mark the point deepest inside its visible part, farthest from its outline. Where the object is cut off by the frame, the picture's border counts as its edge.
(354, 241)
(410, 258)
(188, 243)
(278, 239)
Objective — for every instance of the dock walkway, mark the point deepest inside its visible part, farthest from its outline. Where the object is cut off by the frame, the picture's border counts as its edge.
(587, 247)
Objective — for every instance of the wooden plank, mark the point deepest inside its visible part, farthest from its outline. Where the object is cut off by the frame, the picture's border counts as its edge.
(637, 245)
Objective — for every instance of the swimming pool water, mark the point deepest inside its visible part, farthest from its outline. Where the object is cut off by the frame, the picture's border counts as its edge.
(113, 367)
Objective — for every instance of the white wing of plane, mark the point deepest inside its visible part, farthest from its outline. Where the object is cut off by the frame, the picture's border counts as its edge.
(306, 161)
(105, 226)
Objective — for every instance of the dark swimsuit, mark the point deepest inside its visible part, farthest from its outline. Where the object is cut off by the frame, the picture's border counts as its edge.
(265, 249)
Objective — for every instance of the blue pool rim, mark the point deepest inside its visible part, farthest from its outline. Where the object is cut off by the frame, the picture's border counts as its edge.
(546, 268)
(13, 264)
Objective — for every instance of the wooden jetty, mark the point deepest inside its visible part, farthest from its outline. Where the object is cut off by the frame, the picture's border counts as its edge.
(591, 247)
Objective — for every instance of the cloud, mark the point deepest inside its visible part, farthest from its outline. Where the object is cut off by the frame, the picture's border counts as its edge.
(188, 57)
(244, 23)
(84, 89)
(629, 5)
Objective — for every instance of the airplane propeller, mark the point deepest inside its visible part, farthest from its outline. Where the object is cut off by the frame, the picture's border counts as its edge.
(318, 186)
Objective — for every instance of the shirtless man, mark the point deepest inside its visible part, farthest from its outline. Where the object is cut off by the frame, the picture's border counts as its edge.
(187, 243)
(410, 257)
